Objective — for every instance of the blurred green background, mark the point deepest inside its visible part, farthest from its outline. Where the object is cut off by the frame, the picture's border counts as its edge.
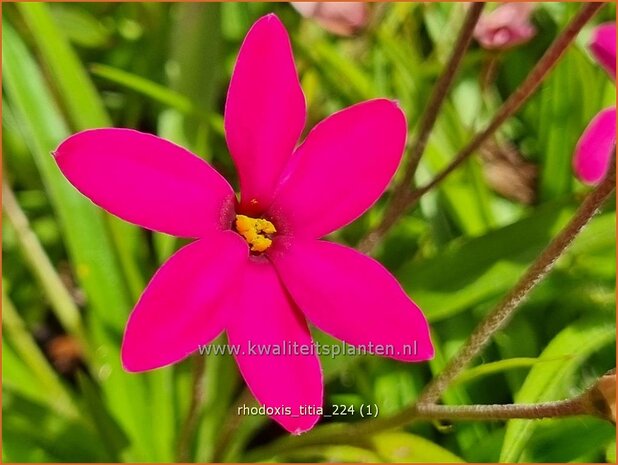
(71, 273)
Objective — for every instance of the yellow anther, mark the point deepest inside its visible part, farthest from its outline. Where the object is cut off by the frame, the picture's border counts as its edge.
(254, 230)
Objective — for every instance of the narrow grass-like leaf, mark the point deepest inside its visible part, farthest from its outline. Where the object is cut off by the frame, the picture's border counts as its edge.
(84, 231)
(551, 380)
(15, 330)
(34, 254)
(85, 110)
(476, 270)
(144, 86)
(84, 106)
(491, 368)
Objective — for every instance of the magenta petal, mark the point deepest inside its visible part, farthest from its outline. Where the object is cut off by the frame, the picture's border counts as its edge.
(185, 304)
(147, 180)
(354, 298)
(341, 169)
(265, 111)
(595, 147)
(603, 47)
(267, 318)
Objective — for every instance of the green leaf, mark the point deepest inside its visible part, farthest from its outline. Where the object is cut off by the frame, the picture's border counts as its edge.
(84, 106)
(111, 434)
(80, 26)
(576, 440)
(84, 232)
(15, 330)
(551, 380)
(481, 268)
(195, 65)
(486, 369)
(85, 110)
(41, 267)
(409, 448)
(34, 433)
(82, 223)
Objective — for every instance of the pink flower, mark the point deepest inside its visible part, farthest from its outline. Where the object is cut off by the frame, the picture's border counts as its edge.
(342, 18)
(597, 144)
(258, 269)
(603, 47)
(506, 26)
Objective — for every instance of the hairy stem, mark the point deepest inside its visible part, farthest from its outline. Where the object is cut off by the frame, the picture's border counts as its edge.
(440, 91)
(515, 101)
(356, 434)
(507, 307)
(425, 407)
(559, 408)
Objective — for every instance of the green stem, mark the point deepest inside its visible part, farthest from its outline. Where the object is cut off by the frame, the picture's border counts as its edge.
(559, 408)
(40, 265)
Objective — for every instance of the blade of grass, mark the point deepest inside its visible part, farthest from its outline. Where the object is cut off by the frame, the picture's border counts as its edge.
(15, 330)
(157, 93)
(34, 254)
(491, 368)
(82, 224)
(84, 232)
(85, 110)
(84, 107)
(571, 347)
(144, 86)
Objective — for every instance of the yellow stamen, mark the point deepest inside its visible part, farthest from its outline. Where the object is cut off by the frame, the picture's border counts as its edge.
(254, 230)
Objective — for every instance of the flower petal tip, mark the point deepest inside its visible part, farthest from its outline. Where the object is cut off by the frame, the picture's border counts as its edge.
(596, 147)
(271, 19)
(297, 425)
(428, 352)
(131, 364)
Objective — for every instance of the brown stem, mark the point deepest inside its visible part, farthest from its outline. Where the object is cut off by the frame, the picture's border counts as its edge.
(559, 408)
(345, 433)
(506, 308)
(508, 109)
(430, 115)
(425, 406)
(197, 400)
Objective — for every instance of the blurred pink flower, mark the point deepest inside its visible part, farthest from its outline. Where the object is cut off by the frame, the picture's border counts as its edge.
(506, 26)
(342, 18)
(258, 269)
(597, 144)
(603, 47)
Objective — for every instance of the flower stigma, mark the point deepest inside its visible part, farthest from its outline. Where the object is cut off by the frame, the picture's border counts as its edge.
(256, 232)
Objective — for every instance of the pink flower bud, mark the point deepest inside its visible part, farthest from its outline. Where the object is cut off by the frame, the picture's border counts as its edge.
(341, 18)
(603, 47)
(506, 26)
(596, 147)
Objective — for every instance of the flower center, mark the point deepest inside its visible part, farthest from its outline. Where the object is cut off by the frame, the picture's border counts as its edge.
(256, 231)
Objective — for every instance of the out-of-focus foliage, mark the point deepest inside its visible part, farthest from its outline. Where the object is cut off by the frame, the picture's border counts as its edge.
(164, 68)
